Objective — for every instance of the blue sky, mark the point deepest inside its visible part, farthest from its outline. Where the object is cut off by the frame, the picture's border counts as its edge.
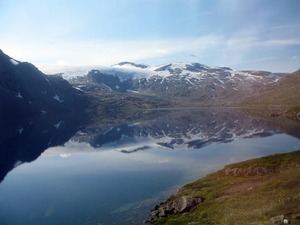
(242, 34)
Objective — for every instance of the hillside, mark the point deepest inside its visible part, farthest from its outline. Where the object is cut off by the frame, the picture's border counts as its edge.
(259, 191)
(286, 91)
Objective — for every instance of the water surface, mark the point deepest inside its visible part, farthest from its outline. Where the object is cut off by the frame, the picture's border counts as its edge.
(115, 173)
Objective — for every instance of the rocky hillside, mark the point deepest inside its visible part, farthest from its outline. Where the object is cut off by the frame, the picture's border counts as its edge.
(259, 191)
(24, 90)
(189, 81)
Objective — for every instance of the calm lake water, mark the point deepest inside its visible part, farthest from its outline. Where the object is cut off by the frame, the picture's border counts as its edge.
(57, 171)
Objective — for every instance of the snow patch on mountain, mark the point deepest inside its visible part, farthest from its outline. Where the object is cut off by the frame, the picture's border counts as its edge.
(57, 98)
(189, 71)
(18, 95)
(58, 125)
(14, 62)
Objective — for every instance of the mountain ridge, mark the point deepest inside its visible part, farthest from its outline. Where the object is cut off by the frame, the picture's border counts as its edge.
(194, 82)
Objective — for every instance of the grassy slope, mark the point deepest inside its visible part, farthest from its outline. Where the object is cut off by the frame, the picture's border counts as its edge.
(284, 92)
(245, 199)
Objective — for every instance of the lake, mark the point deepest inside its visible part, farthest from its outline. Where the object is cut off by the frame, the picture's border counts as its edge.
(58, 170)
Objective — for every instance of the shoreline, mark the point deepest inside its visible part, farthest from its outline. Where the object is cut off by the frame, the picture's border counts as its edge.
(264, 190)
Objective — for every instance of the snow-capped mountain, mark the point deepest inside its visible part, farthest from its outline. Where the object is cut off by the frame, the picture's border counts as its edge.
(192, 80)
(26, 90)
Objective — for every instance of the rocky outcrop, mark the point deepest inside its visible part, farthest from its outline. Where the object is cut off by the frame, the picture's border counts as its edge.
(250, 171)
(277, 219)
(177, 206)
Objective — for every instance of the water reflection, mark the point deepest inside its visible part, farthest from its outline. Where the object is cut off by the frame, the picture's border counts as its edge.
(179, 130)
(24, 139)
(83, 177)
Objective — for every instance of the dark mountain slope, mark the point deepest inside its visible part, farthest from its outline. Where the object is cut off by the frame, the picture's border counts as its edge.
(24, 90)
(36, 112)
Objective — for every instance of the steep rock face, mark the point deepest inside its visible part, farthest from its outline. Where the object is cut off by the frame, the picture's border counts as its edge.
(179, 80)
(24, 90)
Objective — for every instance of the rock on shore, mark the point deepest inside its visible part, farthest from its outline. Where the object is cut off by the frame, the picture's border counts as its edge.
(180, 205)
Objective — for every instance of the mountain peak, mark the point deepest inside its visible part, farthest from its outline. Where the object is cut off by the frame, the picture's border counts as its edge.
(189, 66)
(131, 64)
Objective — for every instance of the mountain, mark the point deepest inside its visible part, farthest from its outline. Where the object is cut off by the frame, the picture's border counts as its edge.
(190, 81)
(24, 90)
(283, 96)
(284, 92)
(37, 111)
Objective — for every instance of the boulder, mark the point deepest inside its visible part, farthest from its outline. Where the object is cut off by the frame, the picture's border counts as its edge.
(277, 219)
(181, 205)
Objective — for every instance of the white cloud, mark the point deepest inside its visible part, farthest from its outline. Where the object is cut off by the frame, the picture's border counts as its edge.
(65, 155)
(62, 63)
(295, 57)
(107, 53)
(281, 42)
(284, 26)
(231, 51)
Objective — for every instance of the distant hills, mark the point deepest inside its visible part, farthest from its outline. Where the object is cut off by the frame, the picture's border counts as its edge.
(188, 83)
(284, 92)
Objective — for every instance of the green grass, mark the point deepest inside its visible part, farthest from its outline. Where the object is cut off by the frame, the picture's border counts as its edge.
(245, 199)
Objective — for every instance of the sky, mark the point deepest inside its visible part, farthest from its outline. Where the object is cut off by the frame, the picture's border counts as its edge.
(241, 34)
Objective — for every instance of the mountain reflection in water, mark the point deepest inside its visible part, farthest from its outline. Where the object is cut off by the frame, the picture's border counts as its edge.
(180, 130)
(24, 140)
(81, 175)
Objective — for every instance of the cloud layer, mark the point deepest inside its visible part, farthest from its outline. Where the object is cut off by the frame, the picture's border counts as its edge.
(236, 51)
